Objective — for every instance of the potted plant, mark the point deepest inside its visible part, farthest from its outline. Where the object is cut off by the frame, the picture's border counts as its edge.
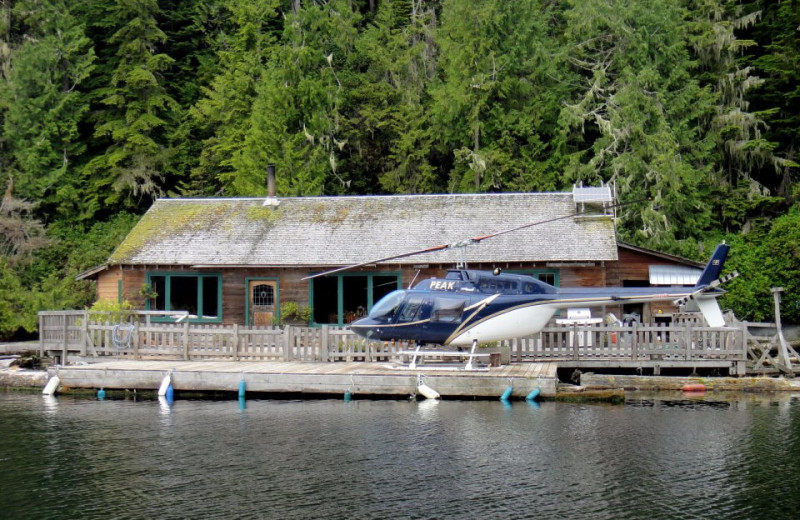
(294, 314)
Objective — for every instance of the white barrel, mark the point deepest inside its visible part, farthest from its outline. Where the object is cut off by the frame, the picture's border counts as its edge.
(162, 390)
(427, 392)
(52, 386)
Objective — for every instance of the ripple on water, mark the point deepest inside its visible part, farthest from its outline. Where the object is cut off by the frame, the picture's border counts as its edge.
(651, 458)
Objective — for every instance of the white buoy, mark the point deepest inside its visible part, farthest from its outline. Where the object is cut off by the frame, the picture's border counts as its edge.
(427, 392)
(162, 390)
(52, 386)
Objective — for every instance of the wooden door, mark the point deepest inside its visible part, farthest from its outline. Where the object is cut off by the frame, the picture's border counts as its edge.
(262, 295)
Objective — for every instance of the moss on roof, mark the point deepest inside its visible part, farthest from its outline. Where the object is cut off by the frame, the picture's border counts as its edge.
(167, 219)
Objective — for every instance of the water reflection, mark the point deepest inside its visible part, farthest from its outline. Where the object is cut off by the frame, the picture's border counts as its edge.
(656, 456)
(50, 403)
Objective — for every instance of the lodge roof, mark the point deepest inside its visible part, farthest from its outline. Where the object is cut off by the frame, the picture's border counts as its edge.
(333, 231)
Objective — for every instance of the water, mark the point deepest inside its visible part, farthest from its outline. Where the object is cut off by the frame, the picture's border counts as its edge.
(65, 458)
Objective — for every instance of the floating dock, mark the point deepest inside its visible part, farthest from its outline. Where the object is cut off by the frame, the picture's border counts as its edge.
(359, 379)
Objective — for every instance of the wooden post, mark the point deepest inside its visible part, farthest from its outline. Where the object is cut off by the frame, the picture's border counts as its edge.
(136, 340)
(741, 362)
(575, 342)
(65, 344)
(287, 343)
(634, 340)
(185, 339)
(324, 341)
(236, 342)
(41, 335)
(85, 334)
(689, 343)
(783, 349)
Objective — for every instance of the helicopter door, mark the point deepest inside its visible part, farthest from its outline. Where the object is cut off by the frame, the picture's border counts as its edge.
(261, 294)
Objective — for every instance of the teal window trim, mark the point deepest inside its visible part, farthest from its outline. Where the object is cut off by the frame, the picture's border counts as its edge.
(168, 275)
(119, 292)
(247, 281)
(340, 293)
(536, 272)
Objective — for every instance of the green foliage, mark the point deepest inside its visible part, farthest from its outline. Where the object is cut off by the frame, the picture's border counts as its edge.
(765, 260)
(17, 306)
(113, 312)
(105, 104)
(293, 312)
(43, 106)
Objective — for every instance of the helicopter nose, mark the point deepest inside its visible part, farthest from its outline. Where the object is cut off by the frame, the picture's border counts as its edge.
(365, 327)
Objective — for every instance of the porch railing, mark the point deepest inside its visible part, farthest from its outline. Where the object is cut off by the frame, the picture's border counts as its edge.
(636, 342)
(137, 336)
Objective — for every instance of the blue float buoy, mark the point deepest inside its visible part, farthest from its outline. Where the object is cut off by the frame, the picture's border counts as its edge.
(533, 394)
(242, 403)
(507, 393)
(170, 395)
(101, 394)
(242, 387)
(347, 396)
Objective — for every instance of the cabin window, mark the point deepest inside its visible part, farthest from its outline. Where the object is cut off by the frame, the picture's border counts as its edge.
(264, 294)
(448, 310)
(342, 299)
(197, 294)
(548, 276)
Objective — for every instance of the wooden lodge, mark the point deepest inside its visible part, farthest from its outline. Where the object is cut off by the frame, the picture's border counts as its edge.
(241, 261)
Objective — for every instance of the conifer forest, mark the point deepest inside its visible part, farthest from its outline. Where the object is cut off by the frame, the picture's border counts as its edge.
(692, 107)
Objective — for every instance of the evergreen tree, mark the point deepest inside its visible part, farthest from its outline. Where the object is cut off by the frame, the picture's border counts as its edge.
(776, 58)
(741, 148)
(135, 112)
(496, 105)
(297, 116)
(43, 105)
(387, 127)
(634, 121)
(246, 37)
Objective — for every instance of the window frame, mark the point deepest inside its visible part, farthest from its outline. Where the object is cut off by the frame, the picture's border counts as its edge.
(200, 276)
(340, 293)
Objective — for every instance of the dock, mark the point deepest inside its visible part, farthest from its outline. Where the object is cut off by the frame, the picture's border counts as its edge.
(276, 377)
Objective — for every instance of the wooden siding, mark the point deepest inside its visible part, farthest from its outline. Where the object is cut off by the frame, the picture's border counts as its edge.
(633, 265)
(108, 284)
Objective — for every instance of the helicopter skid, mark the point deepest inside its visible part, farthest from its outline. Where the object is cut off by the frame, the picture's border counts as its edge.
(439, 368)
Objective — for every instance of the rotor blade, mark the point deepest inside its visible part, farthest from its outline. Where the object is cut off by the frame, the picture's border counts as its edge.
(462, 243)
(386, 259)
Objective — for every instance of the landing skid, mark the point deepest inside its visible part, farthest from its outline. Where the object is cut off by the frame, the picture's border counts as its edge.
(418, 356)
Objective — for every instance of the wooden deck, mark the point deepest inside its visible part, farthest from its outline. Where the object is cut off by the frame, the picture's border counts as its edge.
(365, 379)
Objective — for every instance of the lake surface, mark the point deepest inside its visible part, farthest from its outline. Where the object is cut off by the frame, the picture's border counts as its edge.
(665, 457)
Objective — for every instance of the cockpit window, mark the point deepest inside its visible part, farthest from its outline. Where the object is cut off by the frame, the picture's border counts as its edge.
(387, 306)
(412, 309)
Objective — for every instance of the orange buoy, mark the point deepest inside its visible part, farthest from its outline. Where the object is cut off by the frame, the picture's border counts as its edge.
(694, 387)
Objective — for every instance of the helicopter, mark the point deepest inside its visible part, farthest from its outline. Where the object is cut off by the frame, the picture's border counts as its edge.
(471, 306)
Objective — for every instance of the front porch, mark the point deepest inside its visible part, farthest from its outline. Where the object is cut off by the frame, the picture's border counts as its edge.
(72, 335)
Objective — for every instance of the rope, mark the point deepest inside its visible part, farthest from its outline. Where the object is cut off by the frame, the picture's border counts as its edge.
(121, 335)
